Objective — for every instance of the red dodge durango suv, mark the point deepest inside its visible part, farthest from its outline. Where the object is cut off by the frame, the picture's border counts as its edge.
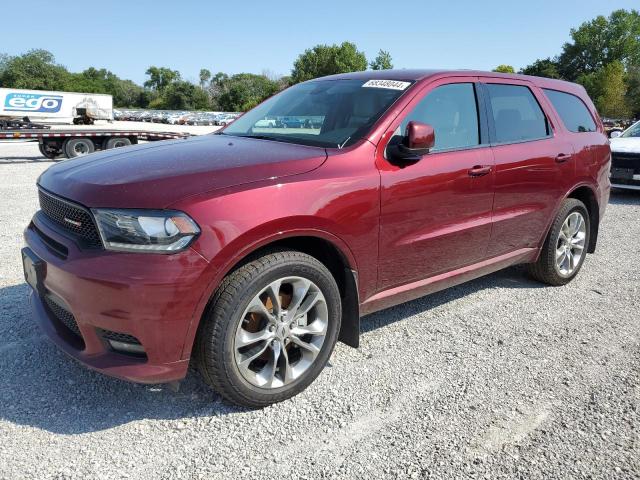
(254, 249)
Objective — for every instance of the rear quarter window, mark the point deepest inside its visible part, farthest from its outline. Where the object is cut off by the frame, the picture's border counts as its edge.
(572, 110)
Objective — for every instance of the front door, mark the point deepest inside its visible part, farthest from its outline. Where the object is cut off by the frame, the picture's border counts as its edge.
(436, 213)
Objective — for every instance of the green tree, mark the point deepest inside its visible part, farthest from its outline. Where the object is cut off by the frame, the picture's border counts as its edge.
(608, 89)
(183, 95)
(382, 61)
(633, 91)
(324, 60)
(36, 70)
(244, 91)
(600, 42)
(542, 68)
(205, 76)
(504, 69)
(160, 78)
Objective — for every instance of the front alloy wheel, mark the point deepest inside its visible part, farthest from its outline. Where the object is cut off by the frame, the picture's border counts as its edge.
(270, 328)
(281, 332)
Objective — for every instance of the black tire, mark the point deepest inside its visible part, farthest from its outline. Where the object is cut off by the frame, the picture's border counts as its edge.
(545, 269)
(76, 147)
(49, 152)
(214, 349)
(116, 142)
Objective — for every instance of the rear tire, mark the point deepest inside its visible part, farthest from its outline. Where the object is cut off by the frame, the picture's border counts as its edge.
(77, 147)
(48, 151)
(116, 142)
(565, 247)
(236, 367)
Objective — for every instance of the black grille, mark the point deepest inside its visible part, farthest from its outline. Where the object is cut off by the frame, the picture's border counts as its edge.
(71, 217)
(119, 337)
(626, 160)
(64, 316)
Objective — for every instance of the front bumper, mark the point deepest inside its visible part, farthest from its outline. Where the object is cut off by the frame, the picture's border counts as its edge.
(149, 297)
(625, 170)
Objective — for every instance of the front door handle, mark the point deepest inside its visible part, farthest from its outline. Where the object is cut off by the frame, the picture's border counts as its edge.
(563, 157)
(479, 170)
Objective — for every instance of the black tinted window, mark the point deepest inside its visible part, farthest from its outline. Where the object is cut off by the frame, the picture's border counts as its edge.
(452, 112)
(572, 111)
(516, 114)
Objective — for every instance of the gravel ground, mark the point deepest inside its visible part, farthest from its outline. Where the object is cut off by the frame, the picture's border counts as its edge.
(498, 378)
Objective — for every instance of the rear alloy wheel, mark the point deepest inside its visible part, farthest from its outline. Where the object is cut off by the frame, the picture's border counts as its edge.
(270, 329)
(571, 244)
(566, 245)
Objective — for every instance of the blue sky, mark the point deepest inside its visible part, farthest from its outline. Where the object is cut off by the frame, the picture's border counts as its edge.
(253, 36)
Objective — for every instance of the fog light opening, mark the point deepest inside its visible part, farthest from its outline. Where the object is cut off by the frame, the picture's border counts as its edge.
(130, 348)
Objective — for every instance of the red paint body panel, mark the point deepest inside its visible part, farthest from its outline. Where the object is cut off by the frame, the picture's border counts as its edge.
(405, 230)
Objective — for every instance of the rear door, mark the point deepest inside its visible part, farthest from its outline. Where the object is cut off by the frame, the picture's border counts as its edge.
(534, 163)
(436, 213)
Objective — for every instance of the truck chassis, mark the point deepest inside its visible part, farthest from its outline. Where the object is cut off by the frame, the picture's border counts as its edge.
(55, 144)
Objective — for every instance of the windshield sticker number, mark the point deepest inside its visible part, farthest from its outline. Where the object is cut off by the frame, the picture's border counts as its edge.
(389, 84)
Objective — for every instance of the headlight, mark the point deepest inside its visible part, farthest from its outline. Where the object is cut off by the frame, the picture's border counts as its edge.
(153, 231)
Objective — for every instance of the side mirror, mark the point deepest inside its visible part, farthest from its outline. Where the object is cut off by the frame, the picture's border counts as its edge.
(419, 138)
(615, 134)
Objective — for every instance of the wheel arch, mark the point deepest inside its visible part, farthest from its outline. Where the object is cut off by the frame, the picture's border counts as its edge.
(327, 249)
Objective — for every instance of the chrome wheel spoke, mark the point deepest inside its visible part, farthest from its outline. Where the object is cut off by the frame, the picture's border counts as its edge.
(287, 376)
(273, 291)
(243, 364)
(300, 291)
(314, 328)
(271, 368)
(310, 347)
(256, 306)
(312, 299)
(244, 338)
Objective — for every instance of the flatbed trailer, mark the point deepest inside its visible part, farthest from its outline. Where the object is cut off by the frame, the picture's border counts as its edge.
(70, 143)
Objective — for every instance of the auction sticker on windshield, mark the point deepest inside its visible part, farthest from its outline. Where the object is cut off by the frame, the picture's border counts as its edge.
(390, 84)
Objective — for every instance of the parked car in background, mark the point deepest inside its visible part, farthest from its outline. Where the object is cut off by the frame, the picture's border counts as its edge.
(267, 123)
(256, 252)
(225, 119)
(625, 162)
(291, 122)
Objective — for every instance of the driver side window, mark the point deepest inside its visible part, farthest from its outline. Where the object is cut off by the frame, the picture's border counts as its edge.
(452, 111)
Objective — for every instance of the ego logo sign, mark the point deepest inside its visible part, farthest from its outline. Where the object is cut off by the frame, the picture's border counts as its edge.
(31, 102)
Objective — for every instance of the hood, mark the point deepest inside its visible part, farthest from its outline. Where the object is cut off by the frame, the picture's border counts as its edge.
(157, 175)
(627, 145)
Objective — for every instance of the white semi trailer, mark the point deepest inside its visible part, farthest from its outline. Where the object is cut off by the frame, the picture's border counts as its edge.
(54, 107)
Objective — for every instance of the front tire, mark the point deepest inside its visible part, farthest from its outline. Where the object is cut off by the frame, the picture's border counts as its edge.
(565, 247)
(270, 329)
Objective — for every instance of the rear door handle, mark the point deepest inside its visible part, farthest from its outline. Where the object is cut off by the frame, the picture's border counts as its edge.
(563, 157)
(479, 170)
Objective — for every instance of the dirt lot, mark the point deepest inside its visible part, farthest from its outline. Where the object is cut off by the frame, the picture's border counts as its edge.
(498, 378)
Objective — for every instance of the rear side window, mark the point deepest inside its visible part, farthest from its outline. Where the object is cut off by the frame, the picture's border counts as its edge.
(517, 116)
(572, 111)
(452, 111)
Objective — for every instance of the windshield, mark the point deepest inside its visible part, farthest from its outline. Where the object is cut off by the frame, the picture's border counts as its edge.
(325, 113)
(632, 131)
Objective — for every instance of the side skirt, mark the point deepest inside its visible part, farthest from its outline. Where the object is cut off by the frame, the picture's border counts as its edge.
(411, 291)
